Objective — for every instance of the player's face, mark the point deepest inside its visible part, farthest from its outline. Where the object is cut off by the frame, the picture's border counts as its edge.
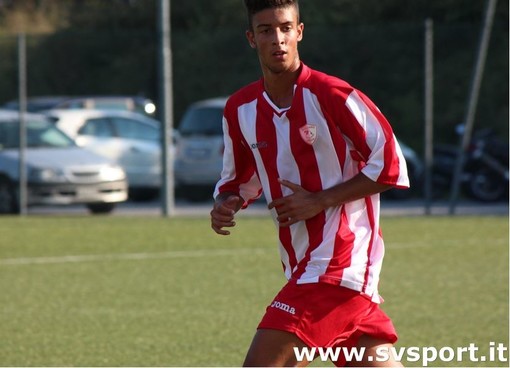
(275, 35)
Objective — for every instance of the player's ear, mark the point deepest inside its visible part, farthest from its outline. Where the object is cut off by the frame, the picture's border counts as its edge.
(300, 28)
(250, 36)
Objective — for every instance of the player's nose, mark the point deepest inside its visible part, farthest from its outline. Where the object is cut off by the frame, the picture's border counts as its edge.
(278, 37)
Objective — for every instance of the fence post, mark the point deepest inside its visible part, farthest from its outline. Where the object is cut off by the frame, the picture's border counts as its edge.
(429, 111)
(473, 100)
(166, 106)
(22, 97)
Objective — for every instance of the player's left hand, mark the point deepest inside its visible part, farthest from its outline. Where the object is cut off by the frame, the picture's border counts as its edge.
(298, 206)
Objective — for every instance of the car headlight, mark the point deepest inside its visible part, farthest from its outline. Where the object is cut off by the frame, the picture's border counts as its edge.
(149, 108)
(112, 173)
(46, 175)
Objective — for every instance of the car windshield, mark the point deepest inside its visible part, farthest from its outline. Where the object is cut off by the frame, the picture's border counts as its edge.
(202, 121)
(40, 133)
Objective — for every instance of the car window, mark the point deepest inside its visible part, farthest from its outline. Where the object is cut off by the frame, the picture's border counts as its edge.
(111, 104)
(133, 129)
(73, 104)
(40, 133)
(98, 127)
(203, 120)
(9, 135)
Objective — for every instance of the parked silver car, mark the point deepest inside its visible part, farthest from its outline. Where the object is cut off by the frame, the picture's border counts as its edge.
(132, 140)
(58, 172)
(199, 153)
(126, 103)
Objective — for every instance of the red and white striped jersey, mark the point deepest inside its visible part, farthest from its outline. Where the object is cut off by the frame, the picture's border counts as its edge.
(329, 134)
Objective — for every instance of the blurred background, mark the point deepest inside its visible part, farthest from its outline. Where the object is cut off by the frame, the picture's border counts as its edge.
(92, 47)
(105, 48)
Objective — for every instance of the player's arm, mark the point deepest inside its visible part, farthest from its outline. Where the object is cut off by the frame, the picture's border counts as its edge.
(360, 186)
(372, 139)
(225, 207)
(302, 204)
(239, 184)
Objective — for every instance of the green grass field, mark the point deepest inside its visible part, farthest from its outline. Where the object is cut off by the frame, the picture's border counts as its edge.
(126, 291)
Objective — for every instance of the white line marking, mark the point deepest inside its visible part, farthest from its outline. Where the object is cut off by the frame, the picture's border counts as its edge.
(211, 253)
(131, 256)
(446, 243)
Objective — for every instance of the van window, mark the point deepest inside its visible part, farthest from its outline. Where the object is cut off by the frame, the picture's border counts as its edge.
(202, 121)
(133, 129)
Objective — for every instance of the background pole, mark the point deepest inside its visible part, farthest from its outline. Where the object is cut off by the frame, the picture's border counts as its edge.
(429, 111)
(22, 98)
(166, 106)
(473, 100)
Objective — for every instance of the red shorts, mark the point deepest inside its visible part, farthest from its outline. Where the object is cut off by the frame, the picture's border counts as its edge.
(325, 315)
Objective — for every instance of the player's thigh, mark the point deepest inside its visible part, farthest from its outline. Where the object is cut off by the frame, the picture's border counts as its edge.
(378, 353)
(274, 348)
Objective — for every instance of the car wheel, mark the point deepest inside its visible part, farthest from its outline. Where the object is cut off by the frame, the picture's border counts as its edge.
(100, 208)
(143, 194)
(8, 203)
(486, 186)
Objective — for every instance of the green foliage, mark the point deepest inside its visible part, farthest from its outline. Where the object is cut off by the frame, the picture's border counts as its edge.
(110, 47)
(91, 63)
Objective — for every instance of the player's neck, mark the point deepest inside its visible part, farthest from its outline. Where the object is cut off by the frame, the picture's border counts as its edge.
(280, 87)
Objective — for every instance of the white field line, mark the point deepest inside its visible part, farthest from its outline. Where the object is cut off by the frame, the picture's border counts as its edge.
(131, 256)
(217, 253)
(447, 243)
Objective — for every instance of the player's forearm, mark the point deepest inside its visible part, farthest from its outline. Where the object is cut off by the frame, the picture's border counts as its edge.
(358, 187)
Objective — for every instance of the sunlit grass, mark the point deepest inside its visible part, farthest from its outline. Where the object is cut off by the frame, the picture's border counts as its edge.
(170, 292)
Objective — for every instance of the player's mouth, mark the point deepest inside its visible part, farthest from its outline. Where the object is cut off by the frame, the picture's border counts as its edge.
(280, 54)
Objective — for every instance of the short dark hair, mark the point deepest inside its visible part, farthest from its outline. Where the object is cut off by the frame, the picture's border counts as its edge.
(255, 6)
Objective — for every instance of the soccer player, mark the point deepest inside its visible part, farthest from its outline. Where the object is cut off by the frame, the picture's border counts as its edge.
(321, 152)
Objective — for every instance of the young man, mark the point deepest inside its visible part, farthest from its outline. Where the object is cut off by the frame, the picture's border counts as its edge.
(322, 152)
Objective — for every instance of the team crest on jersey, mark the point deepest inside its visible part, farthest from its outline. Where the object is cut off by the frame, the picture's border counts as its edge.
(308, 133)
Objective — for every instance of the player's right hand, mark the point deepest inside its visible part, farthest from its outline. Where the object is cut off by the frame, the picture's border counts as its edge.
(223, 212)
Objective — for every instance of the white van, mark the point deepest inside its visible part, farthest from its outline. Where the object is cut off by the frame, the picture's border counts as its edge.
(199, 152)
